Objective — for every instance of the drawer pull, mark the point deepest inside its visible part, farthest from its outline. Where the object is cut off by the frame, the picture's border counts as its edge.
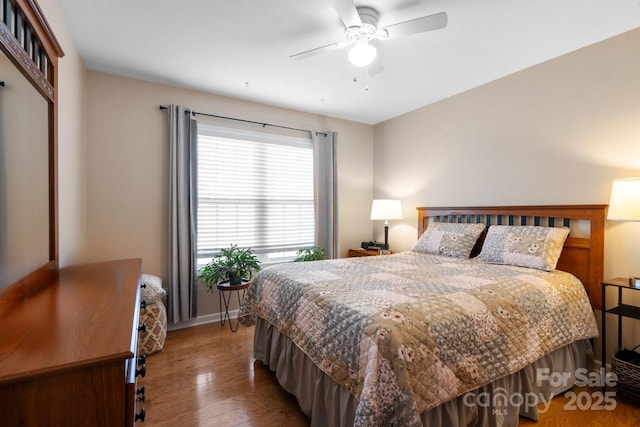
(139, 416)
(142, 371)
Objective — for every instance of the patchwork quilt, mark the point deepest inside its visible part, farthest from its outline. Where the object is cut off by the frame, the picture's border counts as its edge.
(407, 332)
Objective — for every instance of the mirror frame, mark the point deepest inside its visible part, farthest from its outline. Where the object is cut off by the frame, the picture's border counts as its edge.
(27, 40)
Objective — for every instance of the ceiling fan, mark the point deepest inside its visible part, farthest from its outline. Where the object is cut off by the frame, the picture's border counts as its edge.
(361, 27)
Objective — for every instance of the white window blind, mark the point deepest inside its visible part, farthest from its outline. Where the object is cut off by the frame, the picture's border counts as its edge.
(254, 190)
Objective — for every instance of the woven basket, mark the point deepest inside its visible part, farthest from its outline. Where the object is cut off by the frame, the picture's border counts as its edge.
(626, 364)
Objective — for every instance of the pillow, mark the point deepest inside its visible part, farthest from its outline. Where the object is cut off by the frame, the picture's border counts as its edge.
(153, 291)
(449, 239)
(524, 246)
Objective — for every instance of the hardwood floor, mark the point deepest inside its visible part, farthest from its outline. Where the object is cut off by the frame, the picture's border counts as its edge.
(563, 411)
(206, 376)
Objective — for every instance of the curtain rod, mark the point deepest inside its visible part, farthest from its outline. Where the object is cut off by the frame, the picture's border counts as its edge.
(163, 107)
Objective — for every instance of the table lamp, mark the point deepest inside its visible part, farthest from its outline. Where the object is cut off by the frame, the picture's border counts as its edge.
(385, 209)
(624, 204)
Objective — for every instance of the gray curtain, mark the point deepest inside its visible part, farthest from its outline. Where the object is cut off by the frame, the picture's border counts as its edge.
(182, 286)
(326, 194)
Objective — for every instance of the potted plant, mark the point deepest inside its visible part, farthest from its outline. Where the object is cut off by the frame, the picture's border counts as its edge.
(314, 253)
(232, 264)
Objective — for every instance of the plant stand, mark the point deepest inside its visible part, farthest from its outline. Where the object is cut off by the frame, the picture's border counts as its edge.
(224, 292)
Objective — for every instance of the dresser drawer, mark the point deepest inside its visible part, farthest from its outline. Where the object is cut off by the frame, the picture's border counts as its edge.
(136, 371)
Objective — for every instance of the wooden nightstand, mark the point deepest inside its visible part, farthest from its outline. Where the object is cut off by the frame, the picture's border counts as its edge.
(365, 252)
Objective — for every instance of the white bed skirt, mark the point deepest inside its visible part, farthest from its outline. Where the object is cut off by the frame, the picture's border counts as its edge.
(329, 404)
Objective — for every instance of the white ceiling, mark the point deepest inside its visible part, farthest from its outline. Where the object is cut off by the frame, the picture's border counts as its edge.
(241, 48)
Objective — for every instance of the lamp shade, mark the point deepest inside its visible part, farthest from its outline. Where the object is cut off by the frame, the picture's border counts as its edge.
(362, 54)
(385, 209)
(624, 204)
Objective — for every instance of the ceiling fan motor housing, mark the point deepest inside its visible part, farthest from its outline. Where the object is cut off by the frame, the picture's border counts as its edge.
(368, 29)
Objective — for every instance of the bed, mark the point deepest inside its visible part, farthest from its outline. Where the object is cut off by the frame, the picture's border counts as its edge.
(454, 332)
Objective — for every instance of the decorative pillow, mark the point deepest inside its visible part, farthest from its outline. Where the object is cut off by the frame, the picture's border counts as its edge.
(524, 246)
(449, 239)
(153, 291)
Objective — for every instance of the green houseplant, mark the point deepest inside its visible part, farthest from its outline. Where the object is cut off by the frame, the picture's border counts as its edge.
(314, 253)
(232, 264)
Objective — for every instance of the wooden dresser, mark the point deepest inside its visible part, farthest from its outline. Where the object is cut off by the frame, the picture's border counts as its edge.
(68, 348)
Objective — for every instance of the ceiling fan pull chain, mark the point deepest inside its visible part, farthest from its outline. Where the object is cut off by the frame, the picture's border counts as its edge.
(366, 79)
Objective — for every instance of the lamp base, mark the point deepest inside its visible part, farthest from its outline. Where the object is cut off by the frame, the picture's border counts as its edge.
(386, 237)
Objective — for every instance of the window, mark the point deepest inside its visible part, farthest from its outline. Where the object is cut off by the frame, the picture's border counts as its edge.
(254, 190)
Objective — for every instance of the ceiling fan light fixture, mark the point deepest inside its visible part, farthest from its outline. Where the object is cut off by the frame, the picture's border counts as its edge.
(362, 54)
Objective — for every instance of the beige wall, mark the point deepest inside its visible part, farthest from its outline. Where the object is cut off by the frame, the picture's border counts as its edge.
(112, 161)
(71, 142)
(127, 167)
(555, 133)
(559, 132)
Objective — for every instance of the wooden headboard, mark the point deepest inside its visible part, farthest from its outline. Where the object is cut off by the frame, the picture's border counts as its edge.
(581, 256)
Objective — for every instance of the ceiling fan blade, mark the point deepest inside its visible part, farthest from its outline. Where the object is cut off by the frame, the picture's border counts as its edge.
(347, 12)
(318, 50)
(418, 25)
(375, 67)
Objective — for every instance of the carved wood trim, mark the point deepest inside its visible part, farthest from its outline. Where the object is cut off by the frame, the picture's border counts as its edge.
(30, 31)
